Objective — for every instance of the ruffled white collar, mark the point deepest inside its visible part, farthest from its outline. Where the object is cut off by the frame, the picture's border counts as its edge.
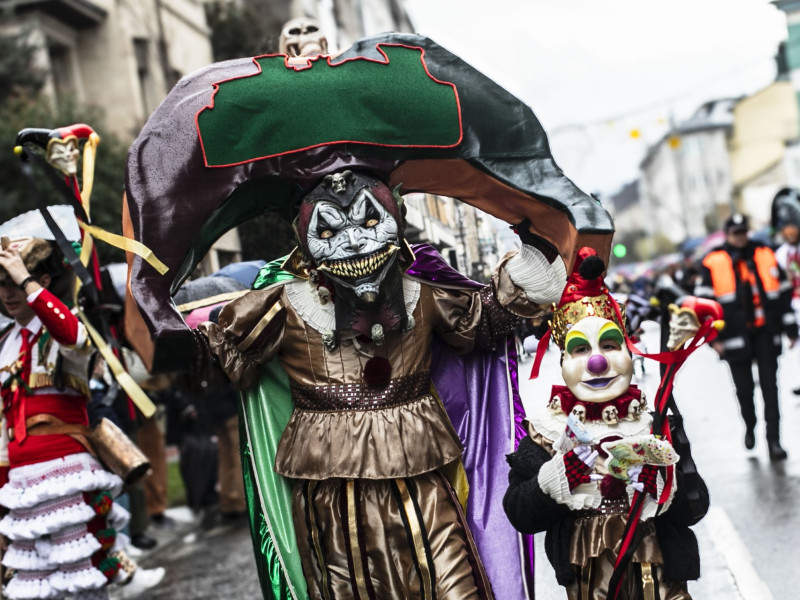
(304, 298)
(553, 424)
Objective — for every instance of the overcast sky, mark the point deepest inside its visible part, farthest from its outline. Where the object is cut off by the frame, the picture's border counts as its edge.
(594, 70)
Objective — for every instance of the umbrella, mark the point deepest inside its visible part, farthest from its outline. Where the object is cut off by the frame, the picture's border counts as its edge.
(245, 136)
(199, 290)
(243, 272)
(32, 224)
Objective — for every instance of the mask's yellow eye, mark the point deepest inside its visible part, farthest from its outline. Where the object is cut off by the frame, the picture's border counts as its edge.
(326, 234)
(371, 223)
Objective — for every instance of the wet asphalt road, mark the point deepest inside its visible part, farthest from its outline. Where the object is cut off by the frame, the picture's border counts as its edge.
(748, 545)
(213, 564)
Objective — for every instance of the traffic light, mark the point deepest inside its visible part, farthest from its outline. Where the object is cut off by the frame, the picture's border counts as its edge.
(619, 250)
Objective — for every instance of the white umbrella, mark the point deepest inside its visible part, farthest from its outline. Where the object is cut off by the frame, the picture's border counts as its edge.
(32, 224)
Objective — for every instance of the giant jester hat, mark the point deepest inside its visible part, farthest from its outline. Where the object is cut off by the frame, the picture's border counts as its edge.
(242, 137)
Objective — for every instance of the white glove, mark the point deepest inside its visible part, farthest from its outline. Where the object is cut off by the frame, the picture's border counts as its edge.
(633, 475)
(586, 454)
(543, 282)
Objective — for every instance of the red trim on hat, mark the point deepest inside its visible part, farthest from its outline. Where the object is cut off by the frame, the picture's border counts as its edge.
(81, 131)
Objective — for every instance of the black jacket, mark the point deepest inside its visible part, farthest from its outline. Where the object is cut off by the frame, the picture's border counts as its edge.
(531, 510)
(738, 310)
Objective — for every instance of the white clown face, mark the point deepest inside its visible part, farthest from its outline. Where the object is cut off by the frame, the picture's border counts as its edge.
(355, 244)
(596, 366)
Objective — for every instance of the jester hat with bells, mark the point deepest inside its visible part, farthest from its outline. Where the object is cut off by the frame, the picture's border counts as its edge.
(585, 295)
(60, 145)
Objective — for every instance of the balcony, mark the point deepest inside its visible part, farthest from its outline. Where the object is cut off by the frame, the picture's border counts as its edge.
(78, 14)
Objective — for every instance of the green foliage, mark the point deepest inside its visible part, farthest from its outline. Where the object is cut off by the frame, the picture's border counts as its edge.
(17, 74)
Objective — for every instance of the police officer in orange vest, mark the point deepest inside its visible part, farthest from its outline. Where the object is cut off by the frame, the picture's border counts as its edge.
(744, 277)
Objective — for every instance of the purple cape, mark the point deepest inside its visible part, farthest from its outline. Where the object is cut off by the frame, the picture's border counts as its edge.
(489, 423)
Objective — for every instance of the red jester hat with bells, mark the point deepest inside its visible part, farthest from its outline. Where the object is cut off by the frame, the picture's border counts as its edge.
(585, 295)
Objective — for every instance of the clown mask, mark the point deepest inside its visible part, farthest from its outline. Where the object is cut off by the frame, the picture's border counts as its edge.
(352, 235)
(596, 365)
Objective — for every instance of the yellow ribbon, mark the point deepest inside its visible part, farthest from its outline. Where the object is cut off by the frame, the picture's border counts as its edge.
(126, 244)
(89, 153)
(224, 297)
(135, 393)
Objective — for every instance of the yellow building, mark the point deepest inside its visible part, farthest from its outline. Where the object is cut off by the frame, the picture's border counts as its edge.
(763, 124)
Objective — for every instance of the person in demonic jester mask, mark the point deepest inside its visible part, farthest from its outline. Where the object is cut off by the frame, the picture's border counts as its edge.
(367, 441)
(589, 449)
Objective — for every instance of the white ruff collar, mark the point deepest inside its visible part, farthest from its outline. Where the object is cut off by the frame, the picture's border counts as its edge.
(552, 425)
(304, 298)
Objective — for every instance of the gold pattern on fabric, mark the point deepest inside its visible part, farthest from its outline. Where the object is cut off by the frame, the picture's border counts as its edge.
(380, 443)
(400, 441)
(40, 380)
(648, 586)
(260, 326)
(312, 486)
(595, 534)
(355, 550)
(360, 396)
(384, 538)
(416, 534)
(592, 582)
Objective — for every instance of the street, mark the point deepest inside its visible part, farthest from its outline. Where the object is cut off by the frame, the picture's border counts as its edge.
(746, 541)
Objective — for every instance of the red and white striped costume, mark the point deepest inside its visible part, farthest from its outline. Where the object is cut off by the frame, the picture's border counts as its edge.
(61, 519)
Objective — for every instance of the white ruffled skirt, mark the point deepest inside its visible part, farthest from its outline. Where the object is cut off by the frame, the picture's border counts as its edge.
(51, 546)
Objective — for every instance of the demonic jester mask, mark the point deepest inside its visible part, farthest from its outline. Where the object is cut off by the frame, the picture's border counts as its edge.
(302, 37)
(350, 228)
(596, 365)
(63, 154)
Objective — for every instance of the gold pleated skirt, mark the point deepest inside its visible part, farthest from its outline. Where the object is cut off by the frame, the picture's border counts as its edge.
(380, 539)
(593, 553)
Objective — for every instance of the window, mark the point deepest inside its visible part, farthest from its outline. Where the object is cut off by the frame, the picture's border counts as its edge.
(61, 69)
